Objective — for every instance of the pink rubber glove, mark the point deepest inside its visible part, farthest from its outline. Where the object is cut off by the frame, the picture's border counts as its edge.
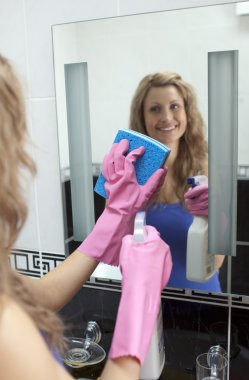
(196, 200)
(125, 198)
(146, 268)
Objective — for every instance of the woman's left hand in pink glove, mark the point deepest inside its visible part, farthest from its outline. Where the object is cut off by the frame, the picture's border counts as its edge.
(196, 200)
(146, 269)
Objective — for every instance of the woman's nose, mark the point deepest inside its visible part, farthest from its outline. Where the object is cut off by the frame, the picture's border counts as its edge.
(166, 115)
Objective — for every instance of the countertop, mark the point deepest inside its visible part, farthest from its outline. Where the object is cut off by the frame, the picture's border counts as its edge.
(169, 373)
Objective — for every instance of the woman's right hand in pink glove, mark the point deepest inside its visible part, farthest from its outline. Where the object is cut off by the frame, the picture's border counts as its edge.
(124, 193)
(146, 268)
(125, 198)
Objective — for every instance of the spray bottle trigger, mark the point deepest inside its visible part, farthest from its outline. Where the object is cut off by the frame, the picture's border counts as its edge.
(140, 233)
(197, 180)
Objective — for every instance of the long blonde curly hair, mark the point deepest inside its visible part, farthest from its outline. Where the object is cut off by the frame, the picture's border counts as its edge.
(15, 162)
(193, 149)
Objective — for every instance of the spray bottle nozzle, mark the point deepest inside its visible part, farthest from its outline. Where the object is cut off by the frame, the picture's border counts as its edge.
(191, 181)
(140, 233)
(197, 180)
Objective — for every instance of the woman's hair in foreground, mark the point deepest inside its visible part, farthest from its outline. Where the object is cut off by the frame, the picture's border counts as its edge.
(15, 163)
(192, 153)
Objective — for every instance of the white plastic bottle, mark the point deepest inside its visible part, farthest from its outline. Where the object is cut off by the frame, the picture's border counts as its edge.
(200, 263)
(155, 358)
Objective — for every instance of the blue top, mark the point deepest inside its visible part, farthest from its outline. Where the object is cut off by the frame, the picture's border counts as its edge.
(56, 356)
(173, 222)
(53, 351)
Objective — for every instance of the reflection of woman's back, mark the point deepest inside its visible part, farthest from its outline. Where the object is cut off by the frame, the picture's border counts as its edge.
(173, 222)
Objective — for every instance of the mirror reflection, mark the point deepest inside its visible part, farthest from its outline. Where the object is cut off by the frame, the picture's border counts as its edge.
(130, 48)
(165, 108)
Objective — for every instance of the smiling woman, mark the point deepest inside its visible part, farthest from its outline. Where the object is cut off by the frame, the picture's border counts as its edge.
(163, 101)
(165, 108)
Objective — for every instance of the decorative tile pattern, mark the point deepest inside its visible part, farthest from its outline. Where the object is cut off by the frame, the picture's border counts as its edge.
(29, 262)
(26, 262)
(50, 261)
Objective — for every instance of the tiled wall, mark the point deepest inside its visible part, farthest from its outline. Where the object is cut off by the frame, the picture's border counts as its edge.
(26, 39)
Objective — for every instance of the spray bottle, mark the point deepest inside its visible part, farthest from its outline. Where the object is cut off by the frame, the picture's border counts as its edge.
(200, 263)
(154, 361)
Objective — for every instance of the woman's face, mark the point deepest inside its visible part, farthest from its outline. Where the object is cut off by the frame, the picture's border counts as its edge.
(164, 114)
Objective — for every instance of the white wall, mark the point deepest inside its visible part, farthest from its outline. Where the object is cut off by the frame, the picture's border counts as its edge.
(130, 47)
(25, 38)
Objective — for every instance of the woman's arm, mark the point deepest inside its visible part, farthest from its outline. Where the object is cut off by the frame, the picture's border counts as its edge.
(125, 198)
(219, 261)
(60, 285)
(125, 368)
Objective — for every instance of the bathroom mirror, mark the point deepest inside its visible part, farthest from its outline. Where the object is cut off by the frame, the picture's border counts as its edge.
(112, 55)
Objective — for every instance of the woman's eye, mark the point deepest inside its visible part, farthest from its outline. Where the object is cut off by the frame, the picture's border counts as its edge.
(155, 109)
(174, 106)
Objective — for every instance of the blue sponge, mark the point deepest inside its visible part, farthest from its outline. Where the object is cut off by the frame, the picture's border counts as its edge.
(153, 158)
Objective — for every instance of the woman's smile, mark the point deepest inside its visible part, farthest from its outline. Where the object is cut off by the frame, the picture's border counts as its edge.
(167, 129)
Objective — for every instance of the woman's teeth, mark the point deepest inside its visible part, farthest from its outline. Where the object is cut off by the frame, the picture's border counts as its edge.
(167, 129)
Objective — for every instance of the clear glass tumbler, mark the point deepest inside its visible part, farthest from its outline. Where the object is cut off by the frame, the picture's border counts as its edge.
(211, 367)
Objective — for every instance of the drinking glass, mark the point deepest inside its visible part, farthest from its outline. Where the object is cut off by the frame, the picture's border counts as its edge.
(211, 367)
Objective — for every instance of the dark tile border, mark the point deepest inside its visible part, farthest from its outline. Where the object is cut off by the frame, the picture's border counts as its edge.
(29, 262)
